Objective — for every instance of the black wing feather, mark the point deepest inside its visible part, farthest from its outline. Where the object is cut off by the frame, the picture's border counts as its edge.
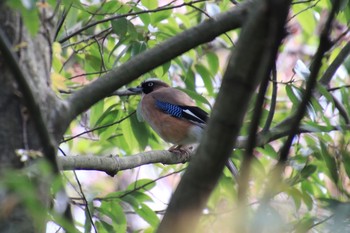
(199, 115)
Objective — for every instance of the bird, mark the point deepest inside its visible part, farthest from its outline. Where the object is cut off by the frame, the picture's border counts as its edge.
(173, 115)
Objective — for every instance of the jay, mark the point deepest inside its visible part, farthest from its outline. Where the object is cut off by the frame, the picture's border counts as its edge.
(173, 115)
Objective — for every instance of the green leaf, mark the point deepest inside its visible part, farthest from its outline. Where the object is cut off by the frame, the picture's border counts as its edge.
(141, 196)
(315, 127)
(159, 16)
(166, 67)
(150, 4)
(323, 90)
(29, 13)
(109, 126)
(206, 77)
(189, 80)
(140, 131)
(308, 171)
(308, 201)
(109, 111)
(186, 22)
(145, 18)
(147, 214)
(304, 225)
(296, 195)
(346, 162)
(146, 184)
(103, 227)
(124, 40)
(138, 47)
(305, 18)
(213, 62)
(330, 163)
(115, 212)
(95, 112)
(109, 7)
(128, 135)
(268, 150)
(93, 60)
(197, 97)
(120, 27)
(134, 203)
(293, 95)
(74, 3)
(31, 21)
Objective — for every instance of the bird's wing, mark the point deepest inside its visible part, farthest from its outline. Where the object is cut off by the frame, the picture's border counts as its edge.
(195, 113)
(178, 104)
(173, 96)
(191, 113)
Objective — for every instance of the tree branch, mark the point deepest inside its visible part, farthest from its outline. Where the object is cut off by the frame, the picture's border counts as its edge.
(257, 48)
(152, 58)
(113, 164)
(325, 80)
(325, 45)
(333, 67)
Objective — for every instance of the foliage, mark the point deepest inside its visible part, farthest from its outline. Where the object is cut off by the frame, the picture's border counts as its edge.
(97, 36)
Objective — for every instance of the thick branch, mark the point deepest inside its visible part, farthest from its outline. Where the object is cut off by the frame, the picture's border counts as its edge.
(333, 67)
(113, 164)
(153, 58)
(252, 58)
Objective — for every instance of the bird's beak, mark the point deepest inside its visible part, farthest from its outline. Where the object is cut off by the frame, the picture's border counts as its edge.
(137, 89)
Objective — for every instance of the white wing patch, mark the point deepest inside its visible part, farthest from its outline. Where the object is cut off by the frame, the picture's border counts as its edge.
(192, 114)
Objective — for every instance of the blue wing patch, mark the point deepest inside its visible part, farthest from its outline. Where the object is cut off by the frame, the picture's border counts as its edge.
(191, 113)
(171, 109)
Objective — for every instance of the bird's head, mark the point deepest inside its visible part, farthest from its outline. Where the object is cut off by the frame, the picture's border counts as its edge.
(148, 86)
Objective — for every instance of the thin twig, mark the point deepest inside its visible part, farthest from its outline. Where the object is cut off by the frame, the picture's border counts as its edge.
(303, 10)
(62, 40)
(82, 194)
(273, 100)
(99, 127)
(137, 188)
(85, 201)
(324, 46)
(91, 73)
(337, 88)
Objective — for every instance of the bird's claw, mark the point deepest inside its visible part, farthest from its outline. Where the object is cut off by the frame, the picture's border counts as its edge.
(184, 153)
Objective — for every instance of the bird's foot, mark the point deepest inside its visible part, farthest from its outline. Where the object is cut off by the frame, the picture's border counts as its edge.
(184, 153)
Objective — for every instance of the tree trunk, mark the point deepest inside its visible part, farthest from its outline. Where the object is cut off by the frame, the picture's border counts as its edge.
(17, 130)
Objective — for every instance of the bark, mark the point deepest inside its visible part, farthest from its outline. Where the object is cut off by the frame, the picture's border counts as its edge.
(17, 128)
(251, 61)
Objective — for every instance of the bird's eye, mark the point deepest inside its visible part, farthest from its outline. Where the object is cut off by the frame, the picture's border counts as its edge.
(150, 84)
